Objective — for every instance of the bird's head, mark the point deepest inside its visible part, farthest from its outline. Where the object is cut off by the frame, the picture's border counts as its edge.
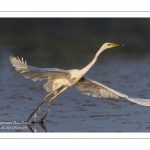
(110, 45)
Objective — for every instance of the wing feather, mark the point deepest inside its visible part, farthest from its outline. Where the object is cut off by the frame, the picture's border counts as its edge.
(95, 89)
(35, 73)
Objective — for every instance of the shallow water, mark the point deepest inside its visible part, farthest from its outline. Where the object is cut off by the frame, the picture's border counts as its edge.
(72, 111)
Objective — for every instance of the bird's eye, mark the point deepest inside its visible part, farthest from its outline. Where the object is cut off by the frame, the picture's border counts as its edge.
(109, 44)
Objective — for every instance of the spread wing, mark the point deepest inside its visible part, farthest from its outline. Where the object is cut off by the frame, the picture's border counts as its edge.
(35, 73)
(95, 89)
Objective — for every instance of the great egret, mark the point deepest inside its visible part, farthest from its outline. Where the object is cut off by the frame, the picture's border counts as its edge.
(62, 79)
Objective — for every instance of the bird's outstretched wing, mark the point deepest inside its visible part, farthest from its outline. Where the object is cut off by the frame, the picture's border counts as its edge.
(35, 73)
(95, 89)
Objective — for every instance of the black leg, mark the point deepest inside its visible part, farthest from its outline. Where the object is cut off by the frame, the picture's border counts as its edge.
(39, 105)
(42, 119)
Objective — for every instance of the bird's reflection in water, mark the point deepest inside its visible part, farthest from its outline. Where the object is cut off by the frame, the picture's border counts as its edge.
(33, 125)
(34, 128)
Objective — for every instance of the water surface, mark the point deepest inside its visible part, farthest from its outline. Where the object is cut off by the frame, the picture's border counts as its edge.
(72, 111)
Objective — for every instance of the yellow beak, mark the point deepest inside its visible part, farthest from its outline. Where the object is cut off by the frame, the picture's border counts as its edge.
(114, 44)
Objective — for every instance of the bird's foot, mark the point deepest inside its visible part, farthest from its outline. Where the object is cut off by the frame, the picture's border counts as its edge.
(42, 120)
(29, 120)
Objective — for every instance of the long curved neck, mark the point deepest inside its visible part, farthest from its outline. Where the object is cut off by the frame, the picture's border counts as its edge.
(85, 69)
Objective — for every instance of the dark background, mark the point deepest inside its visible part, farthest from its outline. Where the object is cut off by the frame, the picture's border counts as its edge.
(73, 38)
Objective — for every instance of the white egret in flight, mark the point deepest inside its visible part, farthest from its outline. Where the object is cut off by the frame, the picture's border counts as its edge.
(58, 80)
